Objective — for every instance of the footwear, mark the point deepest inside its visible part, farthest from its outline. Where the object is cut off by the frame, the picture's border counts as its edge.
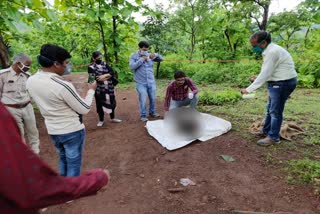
(260, 134)
(115, 120)
(144, 119)
(268, 141)
(100, 123)
(155, 115)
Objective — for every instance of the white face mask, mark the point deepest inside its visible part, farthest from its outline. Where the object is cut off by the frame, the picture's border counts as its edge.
(67, 69)
(24, 67)
(144, 53)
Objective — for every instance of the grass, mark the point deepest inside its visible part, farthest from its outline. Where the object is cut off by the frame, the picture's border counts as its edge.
(299, 158)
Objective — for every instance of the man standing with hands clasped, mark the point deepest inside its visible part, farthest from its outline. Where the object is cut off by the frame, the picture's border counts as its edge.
(141, 62)
(281, 77)
(14, 95)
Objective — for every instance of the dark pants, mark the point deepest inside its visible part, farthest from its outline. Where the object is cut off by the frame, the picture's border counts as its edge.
(100, 109)
(279, 91)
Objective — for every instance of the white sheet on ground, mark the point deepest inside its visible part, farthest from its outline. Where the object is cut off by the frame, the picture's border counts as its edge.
(212, 127)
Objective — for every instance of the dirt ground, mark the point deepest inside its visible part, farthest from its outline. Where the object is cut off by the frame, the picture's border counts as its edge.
(143, 172)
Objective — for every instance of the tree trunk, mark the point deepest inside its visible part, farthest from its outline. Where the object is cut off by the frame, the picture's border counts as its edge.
(103, 41)
(158, 69)
(4, 56)
(115, 45)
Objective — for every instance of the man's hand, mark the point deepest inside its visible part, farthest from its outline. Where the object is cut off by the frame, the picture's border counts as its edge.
(244, 91)
(104, 77)
(145, 58)
(92, 85)
(152, 56)
(108, 175)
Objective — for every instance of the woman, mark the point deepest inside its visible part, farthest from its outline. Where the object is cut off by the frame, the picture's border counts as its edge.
(105, 94)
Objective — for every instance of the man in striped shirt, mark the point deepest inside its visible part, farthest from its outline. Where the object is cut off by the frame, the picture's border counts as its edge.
(61, 106)
(178, 94)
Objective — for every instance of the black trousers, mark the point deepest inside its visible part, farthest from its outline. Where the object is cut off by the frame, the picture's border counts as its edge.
(100, 109)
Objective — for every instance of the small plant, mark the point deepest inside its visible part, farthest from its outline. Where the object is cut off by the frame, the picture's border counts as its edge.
(219, 98)
(304, 171)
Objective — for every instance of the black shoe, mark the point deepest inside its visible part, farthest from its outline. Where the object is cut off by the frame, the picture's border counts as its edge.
(155, 115)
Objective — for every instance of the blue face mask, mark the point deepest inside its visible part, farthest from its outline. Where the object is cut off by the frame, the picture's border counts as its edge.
(257, 49)
(67, 69)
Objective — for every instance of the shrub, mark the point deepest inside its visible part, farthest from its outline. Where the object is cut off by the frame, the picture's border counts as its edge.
(219, 98)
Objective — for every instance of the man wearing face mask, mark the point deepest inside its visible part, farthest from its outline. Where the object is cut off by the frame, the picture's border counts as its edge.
(279, 72)
(141, 62)
(61, 106)
(14, 95)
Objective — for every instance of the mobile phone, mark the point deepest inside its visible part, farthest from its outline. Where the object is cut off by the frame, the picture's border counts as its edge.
(91, 78)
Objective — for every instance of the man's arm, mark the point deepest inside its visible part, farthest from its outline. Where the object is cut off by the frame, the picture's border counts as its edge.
(267, 69)
(192, 86)
(73, 99)
(168, 97)
(30, 183)
(1, 86)
(157, 57)
(135, 63)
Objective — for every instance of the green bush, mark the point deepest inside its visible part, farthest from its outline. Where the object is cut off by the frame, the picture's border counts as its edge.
(218, 98)
(303, 171)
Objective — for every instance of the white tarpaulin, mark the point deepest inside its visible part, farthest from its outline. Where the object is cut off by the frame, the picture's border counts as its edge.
(211, 127)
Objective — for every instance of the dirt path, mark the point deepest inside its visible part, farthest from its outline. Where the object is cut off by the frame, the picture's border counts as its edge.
(142, 171)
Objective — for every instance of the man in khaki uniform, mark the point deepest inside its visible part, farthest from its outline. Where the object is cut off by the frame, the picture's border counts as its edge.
(14, 95)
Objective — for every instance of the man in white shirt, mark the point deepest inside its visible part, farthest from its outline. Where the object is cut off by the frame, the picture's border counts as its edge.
(61, 106)
(279, 73)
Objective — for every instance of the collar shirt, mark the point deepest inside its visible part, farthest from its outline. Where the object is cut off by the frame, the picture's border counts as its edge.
(143, 70)
(59, 102)
(13, 87)
(179, 93)
(277, 65)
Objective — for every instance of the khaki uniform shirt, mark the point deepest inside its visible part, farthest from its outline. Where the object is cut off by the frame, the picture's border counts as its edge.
(13, 88)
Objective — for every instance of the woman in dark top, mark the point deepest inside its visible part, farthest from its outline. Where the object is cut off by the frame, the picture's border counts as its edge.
(105, 94)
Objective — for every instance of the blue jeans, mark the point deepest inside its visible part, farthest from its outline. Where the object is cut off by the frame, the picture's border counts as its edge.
(70, 147)
(145, 90)
(279, 91)
(177, 104)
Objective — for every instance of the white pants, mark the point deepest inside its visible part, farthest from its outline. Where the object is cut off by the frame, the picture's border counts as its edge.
(27, 122)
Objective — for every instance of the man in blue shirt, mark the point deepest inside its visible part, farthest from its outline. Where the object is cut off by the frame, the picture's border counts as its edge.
(141, 62)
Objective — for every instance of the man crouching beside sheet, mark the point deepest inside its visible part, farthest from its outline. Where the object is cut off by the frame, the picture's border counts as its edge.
(184, 120)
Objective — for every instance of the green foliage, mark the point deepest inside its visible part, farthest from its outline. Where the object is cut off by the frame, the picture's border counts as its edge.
(209, 97)
(303, 171)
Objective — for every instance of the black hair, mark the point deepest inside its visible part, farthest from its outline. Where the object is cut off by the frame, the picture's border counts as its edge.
(95, 55)
(49, 54)
(179, 74)
(260, 36)
(144, 44)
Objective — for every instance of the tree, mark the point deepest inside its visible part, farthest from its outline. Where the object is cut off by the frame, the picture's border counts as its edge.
(20, 16)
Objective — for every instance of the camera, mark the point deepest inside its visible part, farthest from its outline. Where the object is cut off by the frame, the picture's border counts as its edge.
(91, 78)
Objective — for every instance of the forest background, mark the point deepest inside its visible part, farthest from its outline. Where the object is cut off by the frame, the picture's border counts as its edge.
(208, 39)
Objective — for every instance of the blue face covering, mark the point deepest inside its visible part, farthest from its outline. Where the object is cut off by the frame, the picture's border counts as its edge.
(144, 53)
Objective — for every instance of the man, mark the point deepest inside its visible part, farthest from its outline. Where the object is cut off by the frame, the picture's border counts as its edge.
(61, 106)
(178, 92)
(14, 95)
(141, 63)
(28, 184)
(279, 73)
